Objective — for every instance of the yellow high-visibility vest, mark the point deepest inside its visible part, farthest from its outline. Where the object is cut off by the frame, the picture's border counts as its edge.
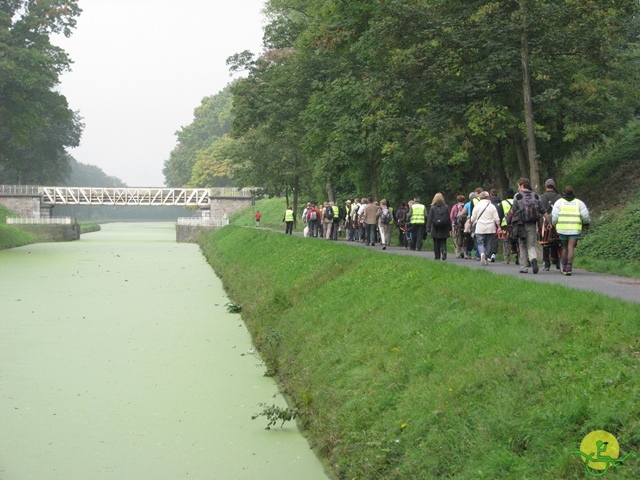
(569, 218)
(288, 216)
(417, 213)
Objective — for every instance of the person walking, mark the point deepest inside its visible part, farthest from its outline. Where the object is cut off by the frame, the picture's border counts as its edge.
(458, 217)
(327, 219)
(313, 218)
(492, 250)
(549, 236)
(257, 216)
(418, 219)
(570, 217)
(487, 223)
(370, 217)
(401, 223)
(385, 219)
(288, 219)
(439, 226)
(338, 216)
(524, 218)
(509, 245)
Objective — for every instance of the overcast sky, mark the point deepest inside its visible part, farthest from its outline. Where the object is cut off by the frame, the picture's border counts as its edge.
(140, 69)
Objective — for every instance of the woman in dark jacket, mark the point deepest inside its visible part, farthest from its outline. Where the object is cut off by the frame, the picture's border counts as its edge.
(439, 226)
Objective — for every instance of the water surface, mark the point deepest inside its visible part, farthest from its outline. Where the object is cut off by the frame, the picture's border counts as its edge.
(118, 360)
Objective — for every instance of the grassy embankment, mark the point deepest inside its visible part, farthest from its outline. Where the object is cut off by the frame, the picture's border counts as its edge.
(11, 236)
(416, 369)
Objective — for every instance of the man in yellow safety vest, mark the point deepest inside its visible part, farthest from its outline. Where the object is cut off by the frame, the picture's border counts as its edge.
(417, 218)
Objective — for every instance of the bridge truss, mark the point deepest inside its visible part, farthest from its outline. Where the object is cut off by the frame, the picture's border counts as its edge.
(194, 197)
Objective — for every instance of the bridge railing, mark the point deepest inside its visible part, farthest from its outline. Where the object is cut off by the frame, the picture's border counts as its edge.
(231, 192)
(203, 222)
(11, 190)
(40, 221)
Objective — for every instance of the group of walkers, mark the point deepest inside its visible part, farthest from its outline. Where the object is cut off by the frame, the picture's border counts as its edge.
(520, 222)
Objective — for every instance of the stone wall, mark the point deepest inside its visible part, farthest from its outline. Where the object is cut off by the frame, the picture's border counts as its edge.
(226, 206)
(52, 233)
(24, 206)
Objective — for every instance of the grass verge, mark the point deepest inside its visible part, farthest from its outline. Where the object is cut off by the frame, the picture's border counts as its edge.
(11, 237)
(409, 369)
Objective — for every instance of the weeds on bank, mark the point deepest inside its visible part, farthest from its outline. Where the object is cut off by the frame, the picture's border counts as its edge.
(411, 369)
(276, 414)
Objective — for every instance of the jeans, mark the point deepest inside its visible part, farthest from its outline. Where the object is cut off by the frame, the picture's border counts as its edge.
(370, 233)
(484, 243)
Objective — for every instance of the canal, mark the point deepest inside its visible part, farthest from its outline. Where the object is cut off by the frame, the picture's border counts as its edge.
(118, 359)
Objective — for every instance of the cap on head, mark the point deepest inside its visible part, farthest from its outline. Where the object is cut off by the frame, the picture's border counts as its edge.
(549, 182)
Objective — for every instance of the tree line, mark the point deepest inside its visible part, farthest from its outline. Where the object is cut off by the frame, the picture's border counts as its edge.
(403, 98)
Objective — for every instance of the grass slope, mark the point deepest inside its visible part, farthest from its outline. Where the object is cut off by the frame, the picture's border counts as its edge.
(11, 237)
(416, 369)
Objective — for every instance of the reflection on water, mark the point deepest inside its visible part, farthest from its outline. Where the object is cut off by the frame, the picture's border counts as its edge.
(118, 360)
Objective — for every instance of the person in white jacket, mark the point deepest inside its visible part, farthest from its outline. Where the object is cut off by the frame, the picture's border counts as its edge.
(486, 220)
(570, 216)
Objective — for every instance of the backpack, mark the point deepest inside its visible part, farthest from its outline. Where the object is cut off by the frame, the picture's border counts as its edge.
(328, 212)
(385, 216)
(313, 214)
(529, 206)
(440, 216)
(461, 216)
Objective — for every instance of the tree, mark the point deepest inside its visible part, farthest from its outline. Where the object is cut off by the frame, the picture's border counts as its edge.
(36, 124)
(212, 120)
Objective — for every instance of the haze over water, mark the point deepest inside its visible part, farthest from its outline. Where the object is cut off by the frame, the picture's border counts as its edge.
(119, 360)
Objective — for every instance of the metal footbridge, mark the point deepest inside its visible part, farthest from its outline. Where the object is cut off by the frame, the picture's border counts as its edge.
(187, 197)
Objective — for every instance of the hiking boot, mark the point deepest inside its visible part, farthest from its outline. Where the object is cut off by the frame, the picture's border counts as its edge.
(545, 269)
(444, 256)
(483, 259)
(547, 266)
(493, 258)
(524, 270)
(534, 265)
(567, 269)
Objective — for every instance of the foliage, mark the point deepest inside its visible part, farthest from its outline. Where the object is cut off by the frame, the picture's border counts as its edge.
(398, 375)
(233, 307)
(615, 236)
(276, 414)
(36, 124)
(401, 99)
(196, 160)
